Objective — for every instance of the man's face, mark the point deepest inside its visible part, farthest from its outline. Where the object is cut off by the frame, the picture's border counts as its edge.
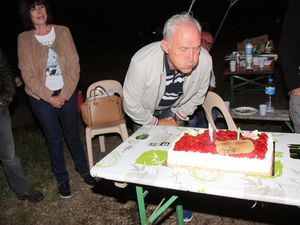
(206, 40)
(183, 48)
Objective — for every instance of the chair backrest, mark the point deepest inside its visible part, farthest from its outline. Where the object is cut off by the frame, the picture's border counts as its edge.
(108, 85)
(214, 100)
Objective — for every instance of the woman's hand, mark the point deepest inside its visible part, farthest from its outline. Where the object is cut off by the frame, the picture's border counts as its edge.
(57, 101)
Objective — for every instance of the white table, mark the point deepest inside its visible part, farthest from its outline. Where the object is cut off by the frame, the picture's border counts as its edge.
(142, 162)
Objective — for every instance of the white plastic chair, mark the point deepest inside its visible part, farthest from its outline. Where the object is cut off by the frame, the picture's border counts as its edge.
(120, 128)
(213, 100)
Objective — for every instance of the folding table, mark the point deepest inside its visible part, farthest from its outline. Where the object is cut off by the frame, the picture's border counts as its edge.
(242, 77)
(141, 160)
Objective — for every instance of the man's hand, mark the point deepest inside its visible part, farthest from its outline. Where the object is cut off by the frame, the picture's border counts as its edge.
(169, 121)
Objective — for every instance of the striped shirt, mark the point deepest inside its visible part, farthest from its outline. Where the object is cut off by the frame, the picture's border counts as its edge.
(174, 82)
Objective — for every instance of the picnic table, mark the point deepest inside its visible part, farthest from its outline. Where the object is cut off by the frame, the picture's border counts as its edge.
(277, 115)
(241, 77)
(141, 160)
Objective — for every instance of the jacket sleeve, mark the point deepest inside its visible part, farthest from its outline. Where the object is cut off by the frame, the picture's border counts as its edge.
(72, 66)
(133, 90)
(30, 70)
(7, 84)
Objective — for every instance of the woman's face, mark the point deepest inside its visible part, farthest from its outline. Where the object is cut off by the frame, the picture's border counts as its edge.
(38, 15)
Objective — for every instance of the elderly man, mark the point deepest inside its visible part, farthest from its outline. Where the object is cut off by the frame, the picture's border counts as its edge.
(167, 80)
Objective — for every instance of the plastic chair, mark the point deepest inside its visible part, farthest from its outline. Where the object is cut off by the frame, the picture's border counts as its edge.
(213, 100)
(120, 128)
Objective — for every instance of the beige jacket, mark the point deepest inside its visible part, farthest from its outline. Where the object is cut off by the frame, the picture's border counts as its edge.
(145, 84)
(33, 57)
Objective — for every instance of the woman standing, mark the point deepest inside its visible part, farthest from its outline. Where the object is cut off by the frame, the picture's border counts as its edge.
(49, 64)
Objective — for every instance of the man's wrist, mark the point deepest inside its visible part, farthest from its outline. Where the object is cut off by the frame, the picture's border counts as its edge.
(179, 121)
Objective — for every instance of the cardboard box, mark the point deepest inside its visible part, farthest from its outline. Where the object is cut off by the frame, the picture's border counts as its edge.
(258, 42)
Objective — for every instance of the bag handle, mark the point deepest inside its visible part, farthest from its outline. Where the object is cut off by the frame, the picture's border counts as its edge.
(99, 88)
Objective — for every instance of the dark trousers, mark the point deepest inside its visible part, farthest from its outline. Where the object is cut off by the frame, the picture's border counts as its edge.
(10, 161)
(198, 119)
(52, 120)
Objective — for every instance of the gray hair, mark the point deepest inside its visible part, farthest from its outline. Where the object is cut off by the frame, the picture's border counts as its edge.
(178, 19)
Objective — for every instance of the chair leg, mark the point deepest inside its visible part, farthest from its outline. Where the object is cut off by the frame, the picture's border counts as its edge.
(89, 149)
(102, 143)
(124, 132)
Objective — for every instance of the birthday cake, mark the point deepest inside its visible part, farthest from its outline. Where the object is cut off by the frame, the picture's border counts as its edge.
(246, 152)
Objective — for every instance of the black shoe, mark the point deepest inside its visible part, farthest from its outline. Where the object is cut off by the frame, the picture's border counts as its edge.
(32, 196)
(64, 190)
(89, 180)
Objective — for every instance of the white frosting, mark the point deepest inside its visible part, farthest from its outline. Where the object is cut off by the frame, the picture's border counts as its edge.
(222, 162)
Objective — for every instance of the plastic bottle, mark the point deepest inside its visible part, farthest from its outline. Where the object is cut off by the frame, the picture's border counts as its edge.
(270, 91)
(249, 55)
(237, 58)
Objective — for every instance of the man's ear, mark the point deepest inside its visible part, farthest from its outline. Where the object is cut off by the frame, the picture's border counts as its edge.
(164, 46)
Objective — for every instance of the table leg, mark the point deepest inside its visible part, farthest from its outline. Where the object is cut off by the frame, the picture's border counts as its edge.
(159, 210)
(290, 126)
(141, 204)
(179, 212)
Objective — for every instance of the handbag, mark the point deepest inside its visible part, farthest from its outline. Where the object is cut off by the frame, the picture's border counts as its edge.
(101, 109)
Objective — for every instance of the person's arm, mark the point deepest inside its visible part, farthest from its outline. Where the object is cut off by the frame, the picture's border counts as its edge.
(33, 81)
(7, 84)
(133, 90)
(72, 67)
(212, 82)
(290, 45)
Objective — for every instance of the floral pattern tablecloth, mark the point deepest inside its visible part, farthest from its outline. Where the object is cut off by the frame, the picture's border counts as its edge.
(141, 160)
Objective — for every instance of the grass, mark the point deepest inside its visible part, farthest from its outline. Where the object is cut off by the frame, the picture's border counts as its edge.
(30, 146)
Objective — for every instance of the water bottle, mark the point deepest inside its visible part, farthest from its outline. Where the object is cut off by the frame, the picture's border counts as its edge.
(249, 55)
(270, 91)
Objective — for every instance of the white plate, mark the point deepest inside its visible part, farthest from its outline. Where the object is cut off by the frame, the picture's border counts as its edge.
(245, 110)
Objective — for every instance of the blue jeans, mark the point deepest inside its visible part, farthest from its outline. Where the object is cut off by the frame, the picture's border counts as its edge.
(52, 120)
(11, 163)
(198, 119)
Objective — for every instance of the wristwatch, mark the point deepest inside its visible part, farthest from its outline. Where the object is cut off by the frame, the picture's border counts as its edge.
(179, 121)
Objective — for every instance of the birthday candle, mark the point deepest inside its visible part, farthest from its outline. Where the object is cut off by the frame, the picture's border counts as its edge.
(238, 133)
(210, 132)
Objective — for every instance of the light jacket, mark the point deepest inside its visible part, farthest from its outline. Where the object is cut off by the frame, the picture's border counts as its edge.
(145, 84)
(33, 58)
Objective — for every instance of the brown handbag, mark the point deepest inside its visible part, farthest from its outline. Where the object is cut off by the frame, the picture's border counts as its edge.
(100, 109)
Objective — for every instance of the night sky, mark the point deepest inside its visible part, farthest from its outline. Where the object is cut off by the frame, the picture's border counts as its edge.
(116, 20)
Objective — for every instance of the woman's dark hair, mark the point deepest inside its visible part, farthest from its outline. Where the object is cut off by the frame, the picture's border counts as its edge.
(24, 10)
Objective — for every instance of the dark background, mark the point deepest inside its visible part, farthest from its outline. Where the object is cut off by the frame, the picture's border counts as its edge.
(132, 24)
